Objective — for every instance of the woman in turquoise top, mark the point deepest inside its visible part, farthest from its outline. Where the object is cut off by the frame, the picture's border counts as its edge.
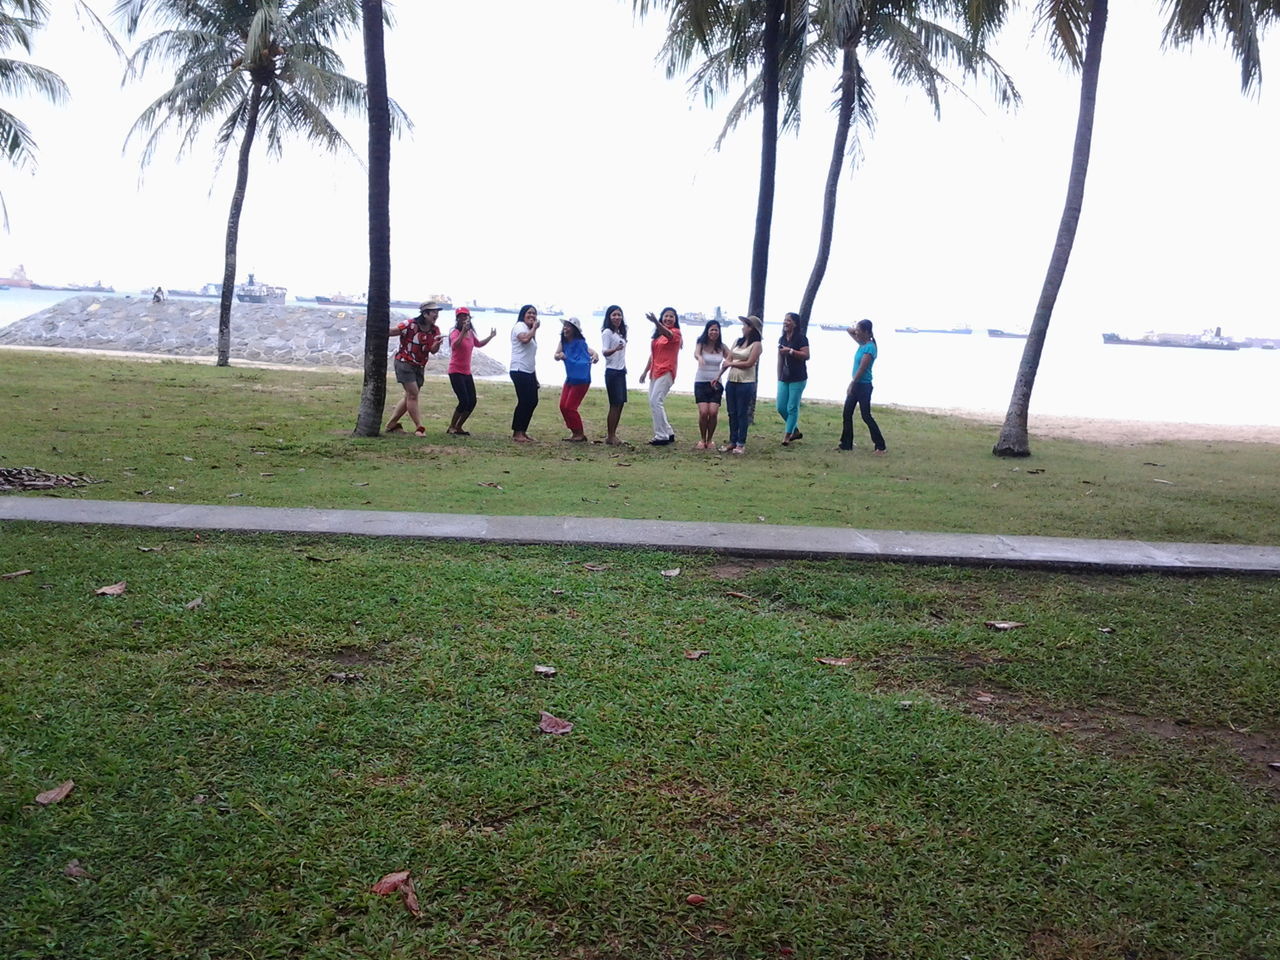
(860, 388)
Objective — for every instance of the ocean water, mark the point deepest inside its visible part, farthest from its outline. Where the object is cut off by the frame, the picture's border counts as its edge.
(1079, 375)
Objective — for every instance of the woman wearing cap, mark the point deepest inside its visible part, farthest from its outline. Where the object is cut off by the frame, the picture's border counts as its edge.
(613, 346)
(524, 373)
(741, 363)
(708, 391)
(419, 339)
(578, 358)
(462, 340)
(859, 392)
(664, 352)
(793, 374)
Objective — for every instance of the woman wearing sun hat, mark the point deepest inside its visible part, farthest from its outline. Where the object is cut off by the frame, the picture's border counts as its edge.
(740, 389)
(419, 339)
(578, 358)
(462, 340)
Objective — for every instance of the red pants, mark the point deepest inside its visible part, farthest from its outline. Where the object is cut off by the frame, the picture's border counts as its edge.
(570, 400)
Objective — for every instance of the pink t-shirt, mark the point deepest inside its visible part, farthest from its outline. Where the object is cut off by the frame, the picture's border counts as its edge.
(460, 348)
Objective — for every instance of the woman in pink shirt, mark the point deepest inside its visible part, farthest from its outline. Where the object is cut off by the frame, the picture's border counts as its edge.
(664, 352)
(462, 340)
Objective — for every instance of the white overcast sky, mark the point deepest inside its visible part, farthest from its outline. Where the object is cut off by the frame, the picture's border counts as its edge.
(553, 162)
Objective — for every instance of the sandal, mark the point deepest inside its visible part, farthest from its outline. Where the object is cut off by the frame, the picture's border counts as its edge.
(420, 432)
(394, 428)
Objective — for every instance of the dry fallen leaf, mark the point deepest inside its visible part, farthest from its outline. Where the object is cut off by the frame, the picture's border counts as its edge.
(739, 594)
(1003, 624)
(695, 654)
(56, 794)
(1106, 629)
(837, 661)
(197, 602)
(112, 591)
(76, 871)
(695, 899)
(614, 486)
(542, 670)
(595, 567)
(341, 677)
(399, 882)
(557, 592)
(323, 559)
(982, 696)
(1151, 463)
(1158, 480)
(14, 575)
(553, 725)
(149, 549)
(673, 572)
(489, 483)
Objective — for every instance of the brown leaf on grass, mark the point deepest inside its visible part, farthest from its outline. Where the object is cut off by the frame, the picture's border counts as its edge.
(114, 590)
(57, 793)
(1106, 629)
(542, 670)
(15, 575)
(695, 654)
(981, 696)
(399, 882)
(489, 483)
(614, 486)
(695, 899)
(837, 661)
(74, 870)
(342, 677)
(148, 549)
(558, 592)
(595, 567)
(673, 572)
(1003, 624)
(739, 594)
(197, 602)
(553, 725)
(323, 559)
(1158, 480)
(1151, 463)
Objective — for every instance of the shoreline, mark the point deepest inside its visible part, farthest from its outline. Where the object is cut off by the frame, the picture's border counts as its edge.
(1086, 429)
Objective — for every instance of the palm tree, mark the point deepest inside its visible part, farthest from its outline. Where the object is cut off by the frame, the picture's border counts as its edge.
(763, 43)
(373, 394)
(901, 31)
(245, 64)
(1077, 28)
(19, 19)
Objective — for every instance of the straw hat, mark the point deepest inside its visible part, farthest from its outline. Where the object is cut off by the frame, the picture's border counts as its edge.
(430, 305)
(753, 322)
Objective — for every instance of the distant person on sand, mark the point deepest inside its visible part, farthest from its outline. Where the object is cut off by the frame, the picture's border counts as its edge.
(664, 352)
(793, 375)
(419, 339)
(740, 391)
(708, 390)
(613, 346)
(578, 358)
(158, 296)
(462, 340)
(859, 393)
(524, 373)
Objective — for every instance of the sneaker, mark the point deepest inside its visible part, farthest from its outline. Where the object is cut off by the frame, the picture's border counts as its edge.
(655, 442)
(797, 435)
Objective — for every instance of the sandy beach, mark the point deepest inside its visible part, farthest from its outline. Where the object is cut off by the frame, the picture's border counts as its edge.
(1089, 429)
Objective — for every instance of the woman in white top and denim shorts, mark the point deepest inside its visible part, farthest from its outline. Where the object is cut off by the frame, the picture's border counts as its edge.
(613, 346)
(708, 391)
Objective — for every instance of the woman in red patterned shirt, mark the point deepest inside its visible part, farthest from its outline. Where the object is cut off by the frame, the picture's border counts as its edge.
(419, 338)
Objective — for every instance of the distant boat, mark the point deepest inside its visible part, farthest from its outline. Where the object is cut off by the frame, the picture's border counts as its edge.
(961, 330)
(208, 290)
(552, 311)
(253, 292)
(95, 287)
(514, 310)
(344, 300)
(1205, 341)
(1005, 334)
(446, 303)
(18, 278)
(832, 326)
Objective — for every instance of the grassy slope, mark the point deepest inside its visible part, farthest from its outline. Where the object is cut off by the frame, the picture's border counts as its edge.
(809, 808)
(178, 432)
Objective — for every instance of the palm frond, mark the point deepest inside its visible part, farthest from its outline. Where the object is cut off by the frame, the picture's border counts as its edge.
(17, 77)
(1240, 21)
(1065, 22)
(16, 143)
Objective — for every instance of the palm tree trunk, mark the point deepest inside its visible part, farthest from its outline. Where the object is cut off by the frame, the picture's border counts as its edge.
(844, 119)
(233, 229)
(373, 394)
(1014, 441)
(769, 96)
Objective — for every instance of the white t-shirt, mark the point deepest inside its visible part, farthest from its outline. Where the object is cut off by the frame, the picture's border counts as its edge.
(523, 355)
(709, 366)
(609, 340)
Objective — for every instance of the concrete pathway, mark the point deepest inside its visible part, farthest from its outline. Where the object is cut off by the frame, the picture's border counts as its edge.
(730, 539)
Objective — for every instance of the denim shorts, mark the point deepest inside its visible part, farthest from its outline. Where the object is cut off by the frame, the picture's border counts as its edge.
(615, 383)
(704, 391)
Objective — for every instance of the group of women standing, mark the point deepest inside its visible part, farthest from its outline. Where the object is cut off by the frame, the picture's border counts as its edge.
(726, 375)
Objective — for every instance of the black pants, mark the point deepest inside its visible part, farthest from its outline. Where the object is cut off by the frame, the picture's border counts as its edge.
(860, 395)
(464, 388)
(526, 399)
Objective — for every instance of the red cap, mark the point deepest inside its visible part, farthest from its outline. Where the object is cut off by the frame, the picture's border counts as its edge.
(462, 310)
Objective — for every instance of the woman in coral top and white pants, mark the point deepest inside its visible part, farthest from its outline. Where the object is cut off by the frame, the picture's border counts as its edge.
(664, 352)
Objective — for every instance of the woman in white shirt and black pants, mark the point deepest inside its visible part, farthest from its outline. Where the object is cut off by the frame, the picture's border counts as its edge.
(613, 345)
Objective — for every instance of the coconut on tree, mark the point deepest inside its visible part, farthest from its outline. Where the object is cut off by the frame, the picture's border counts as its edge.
(254, 68)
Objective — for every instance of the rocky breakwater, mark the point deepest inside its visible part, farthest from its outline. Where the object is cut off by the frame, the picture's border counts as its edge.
(260, 332)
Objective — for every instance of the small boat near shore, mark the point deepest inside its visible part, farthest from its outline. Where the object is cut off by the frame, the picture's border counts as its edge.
(1205, 341)
(1005, 334)
(965, 331)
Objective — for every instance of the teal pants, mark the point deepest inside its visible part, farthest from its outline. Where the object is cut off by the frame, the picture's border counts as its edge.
(789, 402)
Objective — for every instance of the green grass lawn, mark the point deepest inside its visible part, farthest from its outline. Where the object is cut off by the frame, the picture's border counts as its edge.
(180, 432)
(1093, 785)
